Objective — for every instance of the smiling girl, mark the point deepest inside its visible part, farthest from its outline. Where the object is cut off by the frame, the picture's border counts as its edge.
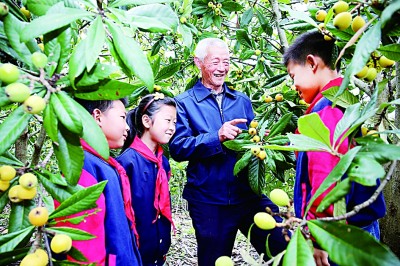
(152, 124)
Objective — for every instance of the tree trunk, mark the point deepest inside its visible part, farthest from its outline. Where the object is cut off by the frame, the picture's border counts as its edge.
(390, 225)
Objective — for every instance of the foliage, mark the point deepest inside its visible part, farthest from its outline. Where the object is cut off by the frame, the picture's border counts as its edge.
(113, 49)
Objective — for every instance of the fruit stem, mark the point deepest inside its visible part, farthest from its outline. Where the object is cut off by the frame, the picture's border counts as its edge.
(46, 243)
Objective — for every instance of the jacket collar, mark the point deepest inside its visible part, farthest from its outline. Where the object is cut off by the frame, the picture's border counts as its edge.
(201, 92)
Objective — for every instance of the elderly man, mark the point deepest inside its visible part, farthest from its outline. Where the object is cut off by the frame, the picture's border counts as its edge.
(219, 203)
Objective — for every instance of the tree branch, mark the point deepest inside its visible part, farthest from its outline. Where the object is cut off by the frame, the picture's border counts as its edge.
(278, 17)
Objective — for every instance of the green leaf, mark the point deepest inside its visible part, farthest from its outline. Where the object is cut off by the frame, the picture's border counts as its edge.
(58, 48)
(76, 64)
(351, 114)
(186, 35)
(242, 163)
(50, 122)
(275, 81)
(12, 127)
(246, 17)
(237, 144)
(344, 100)
(381, 152)
(92, 133)
(3, 97)
(391, 51)
(243, 38)
(58, 192)
(7, 258)
(10, 159)
(312, 126)
(18, 219)
(69, 154)
(52, 21)
(137, 2)
(368, 43)
(94, 42)
(39, 8)
(256, 175)
(168, 71)
(298, 252)
(98, 73)
(365, 170)
(154, 18)
(279, 126)
(338, 240)
(74, 233)
(67, 114)
(8, 242)
(132, 55)
(231, 6)
(300, 142)
(337, 193)
(84, 199)
(299, 15)
(4, 200)
(334, 176)
(389, 11)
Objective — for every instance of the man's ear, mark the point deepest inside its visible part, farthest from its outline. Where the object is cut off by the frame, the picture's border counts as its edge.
(97, 115)
(198, 62)
(313, 62)
(146, 121)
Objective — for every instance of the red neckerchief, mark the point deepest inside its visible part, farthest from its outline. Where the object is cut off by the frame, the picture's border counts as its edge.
(332, 83)
(126, 187)
(162, 202)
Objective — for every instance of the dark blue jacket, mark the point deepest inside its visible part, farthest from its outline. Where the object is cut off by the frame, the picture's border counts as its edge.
(210, 176)
(120, 239)
(154, 238)
(357, 195)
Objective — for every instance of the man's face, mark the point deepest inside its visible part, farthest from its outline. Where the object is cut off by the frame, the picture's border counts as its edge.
(214, 68)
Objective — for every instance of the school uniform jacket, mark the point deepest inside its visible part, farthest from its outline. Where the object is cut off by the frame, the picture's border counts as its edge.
(210, 177)
(313, 167)
(154, 238)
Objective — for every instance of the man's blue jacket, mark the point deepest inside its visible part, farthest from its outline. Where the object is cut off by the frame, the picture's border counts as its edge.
(210, 176)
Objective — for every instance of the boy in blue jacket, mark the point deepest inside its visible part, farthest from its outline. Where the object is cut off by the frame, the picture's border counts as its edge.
(308, 62)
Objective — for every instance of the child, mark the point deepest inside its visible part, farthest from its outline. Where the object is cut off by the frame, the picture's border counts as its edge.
(113, 225)
(153, 122)
(308, 62)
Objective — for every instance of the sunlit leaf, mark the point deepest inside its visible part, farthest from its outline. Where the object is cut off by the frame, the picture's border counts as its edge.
(298, 252)
(312, 126)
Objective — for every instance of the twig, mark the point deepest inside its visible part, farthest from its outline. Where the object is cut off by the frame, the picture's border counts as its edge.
(357, 208)
(46, 160)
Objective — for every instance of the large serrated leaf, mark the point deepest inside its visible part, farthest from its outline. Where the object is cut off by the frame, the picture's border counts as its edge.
(243, 38)
(58, 192)
(337, 193)
(242, 163)
(39, 8)
(350, 245)
(279, 126)
(66, 112)
(391, 51)
(312, 126)
(365, 170)
(132, 55)
(299, 15)
(95, 39)
(52, 21)
(298, 252)
(344, 100)
(381, 152)
(84, 199)
(256, 175)
(300, 142)
(12, 127)
(389, 11)
(74, 233)
(8, 242)
(237, 144)
(109, 89)
(69, 154)
(50, 122)
(154, 17)
(351, 114)
(275, 81)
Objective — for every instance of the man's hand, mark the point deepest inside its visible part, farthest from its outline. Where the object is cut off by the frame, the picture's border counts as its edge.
(321, 257)
(229, 130)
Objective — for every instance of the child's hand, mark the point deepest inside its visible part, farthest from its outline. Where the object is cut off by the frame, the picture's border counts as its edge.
(321, 257)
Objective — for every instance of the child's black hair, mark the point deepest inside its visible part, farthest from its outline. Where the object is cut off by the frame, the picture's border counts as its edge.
(149, 105)
(312, 42)
(102, 105)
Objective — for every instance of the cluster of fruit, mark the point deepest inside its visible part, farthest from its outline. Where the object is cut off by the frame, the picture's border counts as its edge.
(26, 190)
(268, 98)
(216, 7)
(265, 220)
(374, 65)
(256, 151)
(19, 92)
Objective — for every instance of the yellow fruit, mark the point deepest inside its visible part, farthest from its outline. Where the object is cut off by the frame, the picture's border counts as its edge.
(373, 133)
(39, 60)
(256, 139)
(9, 73)
(34, 104)
(321, 26)
(7, 173)
(252, 131)
(183, 20)
(224, 261)
(61, 243)
(358, 23)
(4, 185)
(255, 150)
(257, 52)
(385, 62)
(279, 97)
(253, 123)
(264, 221)
(28, 180)
(342, 21)
(279, 197)
(17, 92)
(13, 194)
(25, 193)
(31, 259)
(157, 87)
(340, 6)
(210, 4)
(371, 74)
(43, 256)
(320, 15)
(219, 5)
(268, 99)
(302, 102)
(25, 12)
(327, 37)
(3, 9)
(363, 72)
(262, 155)
(41, 46)
(364, 131)
(38, 216)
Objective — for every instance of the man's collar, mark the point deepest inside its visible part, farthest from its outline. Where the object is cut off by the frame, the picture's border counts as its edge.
(201, 92)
